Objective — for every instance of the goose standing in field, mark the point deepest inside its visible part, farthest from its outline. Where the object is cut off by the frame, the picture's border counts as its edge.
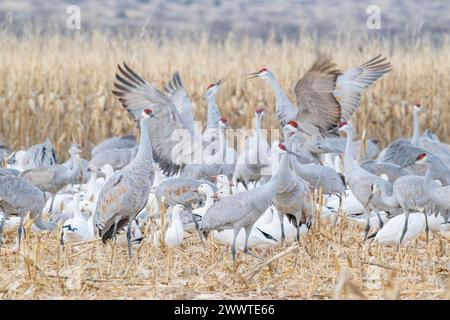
(17, 197)
(325, 96)
(392, 232)
(254, 157)
(77, 229)
(123, 142)
(208, 192)
(53, 178)
(175, 232)
(223, 184)
(125, 194)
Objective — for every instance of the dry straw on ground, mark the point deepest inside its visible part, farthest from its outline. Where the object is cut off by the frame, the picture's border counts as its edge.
(329, 262)
(60, 87)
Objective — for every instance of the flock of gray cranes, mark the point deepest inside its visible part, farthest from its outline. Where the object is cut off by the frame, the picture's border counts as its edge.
(267, 190)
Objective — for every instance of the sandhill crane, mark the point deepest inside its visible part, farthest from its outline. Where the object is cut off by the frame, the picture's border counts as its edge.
(135, 94)
(293, 197)
(325, 96)
(39, 155)
(117, 158)
(53, 178)
(123, 142)
(243, 209)
(125, 194)
(361, 181)
(318, 176)
(254, 157)
(17, 197)
(222, 161)
(175, 232)
(439, 195)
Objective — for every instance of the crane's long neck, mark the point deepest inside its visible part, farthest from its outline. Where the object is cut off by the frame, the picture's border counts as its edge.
(388, 198)
(213, 112)
(144, 153)
(349, 161)
(76, 168)
(258, 137)
(222, 144)
(427, 183)
(282, 102)
(416, 129)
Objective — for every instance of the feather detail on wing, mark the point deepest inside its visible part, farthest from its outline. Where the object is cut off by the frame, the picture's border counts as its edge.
(352, 83)
(319, 111)
(135, 94)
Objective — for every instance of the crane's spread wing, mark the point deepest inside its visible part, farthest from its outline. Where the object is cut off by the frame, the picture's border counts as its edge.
(135, 94)
(319, 111)
(402, 153)
(177, 93)
(352, 82)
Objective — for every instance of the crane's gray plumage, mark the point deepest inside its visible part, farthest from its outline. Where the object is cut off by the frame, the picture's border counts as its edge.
(117, 158)
(17, 197)
(39, 155)
(123, 142)
(378, 168)
(126, 192)
(179, 190)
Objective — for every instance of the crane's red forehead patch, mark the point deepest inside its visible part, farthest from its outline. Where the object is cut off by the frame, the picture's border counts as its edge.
(223, 120)
(421, 156)
(210, 86)
(147, 111)
(293, 123)
(282, 146)
(262, 70)
(418, 105)
(259, 110)
(342, 123)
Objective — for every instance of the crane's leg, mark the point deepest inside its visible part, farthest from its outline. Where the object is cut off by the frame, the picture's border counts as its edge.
(379, 218)
(283, 235)
(366, 232)
(427, 229)
(248, 230)
(1, 230)
(129, 237)
(233, 246)
(198, 230)
(51, 202)
(405, 227)
(20, 230)
(113, 235)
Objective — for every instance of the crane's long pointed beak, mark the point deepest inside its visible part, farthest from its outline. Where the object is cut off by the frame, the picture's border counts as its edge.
(252, 75)
(228, 76)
